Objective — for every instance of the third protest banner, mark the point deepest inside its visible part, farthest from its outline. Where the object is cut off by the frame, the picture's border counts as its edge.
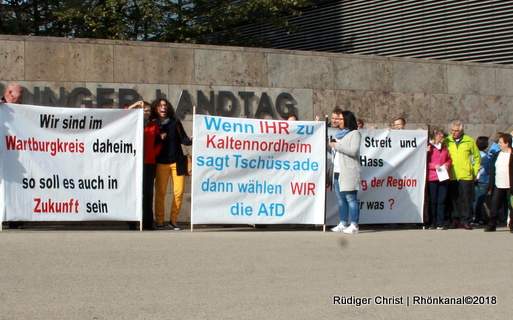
(393, 177)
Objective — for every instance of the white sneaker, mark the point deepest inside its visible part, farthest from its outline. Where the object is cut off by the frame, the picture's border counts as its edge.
(352, 229)
(338, 228)
(172, 226)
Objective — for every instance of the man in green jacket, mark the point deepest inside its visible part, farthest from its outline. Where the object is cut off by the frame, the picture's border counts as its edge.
(465, 165)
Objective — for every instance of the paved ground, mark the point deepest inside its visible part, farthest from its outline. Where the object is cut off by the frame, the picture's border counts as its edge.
(250, 274)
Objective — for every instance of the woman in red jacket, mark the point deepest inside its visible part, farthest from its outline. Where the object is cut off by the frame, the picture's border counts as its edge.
(151, 150)
(438, 164)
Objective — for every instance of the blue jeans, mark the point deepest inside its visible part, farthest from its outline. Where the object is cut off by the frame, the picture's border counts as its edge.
(481, 190)
(348, 205)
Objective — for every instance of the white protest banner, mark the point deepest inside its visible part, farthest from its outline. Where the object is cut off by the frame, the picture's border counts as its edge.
(65, 164)
(248, 171)
(393, 177)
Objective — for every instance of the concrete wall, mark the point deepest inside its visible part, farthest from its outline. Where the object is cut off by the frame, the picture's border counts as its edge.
(243, 81)
(376, 88)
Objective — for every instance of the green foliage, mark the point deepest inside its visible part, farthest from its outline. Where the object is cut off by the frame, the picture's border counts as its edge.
(195, 21)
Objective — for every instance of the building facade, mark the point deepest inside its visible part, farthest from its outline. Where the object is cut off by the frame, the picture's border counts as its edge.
(473, 31)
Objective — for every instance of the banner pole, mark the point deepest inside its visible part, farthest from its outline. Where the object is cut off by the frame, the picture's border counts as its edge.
(192, 178)
(325, 167)
(2, 195)
(2, 207)
(141, 172)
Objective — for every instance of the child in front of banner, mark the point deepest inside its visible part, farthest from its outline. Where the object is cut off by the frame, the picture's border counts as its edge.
(347, 182)
(171, 162)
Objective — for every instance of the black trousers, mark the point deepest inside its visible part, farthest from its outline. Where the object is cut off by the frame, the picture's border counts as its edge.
(499, 196)
(437, 195)
(461, 194)
(148, 185)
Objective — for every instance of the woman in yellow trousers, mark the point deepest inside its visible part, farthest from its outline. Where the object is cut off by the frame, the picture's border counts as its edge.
(171, 162)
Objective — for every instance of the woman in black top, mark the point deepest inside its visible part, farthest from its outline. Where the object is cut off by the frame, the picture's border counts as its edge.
(171, 162)
(501, 181)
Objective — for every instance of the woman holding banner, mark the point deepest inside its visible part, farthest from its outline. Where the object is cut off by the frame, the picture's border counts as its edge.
(347, 182)
(151, 150)
(171, 162)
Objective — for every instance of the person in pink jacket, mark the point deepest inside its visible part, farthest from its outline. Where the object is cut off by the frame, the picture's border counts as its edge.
(438, 165)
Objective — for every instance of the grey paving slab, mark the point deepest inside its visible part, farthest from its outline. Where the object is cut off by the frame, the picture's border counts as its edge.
(234, 273)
